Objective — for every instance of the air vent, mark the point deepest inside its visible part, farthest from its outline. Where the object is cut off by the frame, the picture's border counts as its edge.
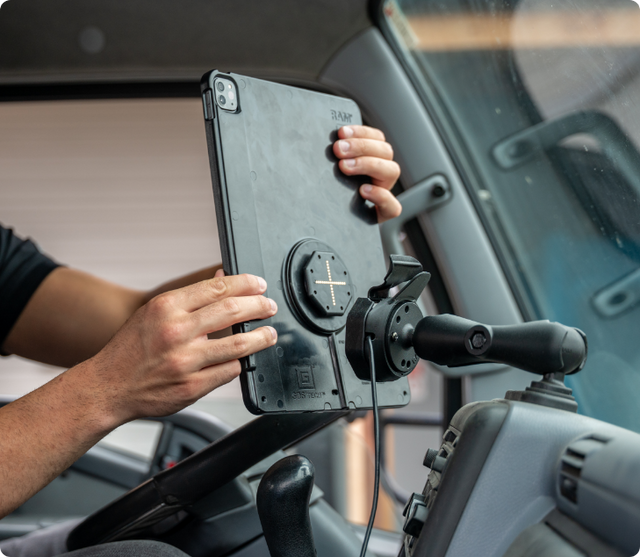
(571, 464)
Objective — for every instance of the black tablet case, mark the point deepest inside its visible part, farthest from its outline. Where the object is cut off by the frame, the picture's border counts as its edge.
(276, 183)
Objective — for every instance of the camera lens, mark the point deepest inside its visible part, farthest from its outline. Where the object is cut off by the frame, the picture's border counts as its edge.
(220, 86)
(222, 100)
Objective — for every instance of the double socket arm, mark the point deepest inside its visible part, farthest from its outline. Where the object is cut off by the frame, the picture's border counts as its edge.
(539, 346)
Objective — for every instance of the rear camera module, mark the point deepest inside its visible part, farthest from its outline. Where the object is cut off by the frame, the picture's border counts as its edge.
(226, 94)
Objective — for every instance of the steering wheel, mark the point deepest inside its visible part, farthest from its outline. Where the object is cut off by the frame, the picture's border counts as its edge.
(174, 489)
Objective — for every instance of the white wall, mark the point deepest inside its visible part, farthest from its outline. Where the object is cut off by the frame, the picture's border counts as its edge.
(118, 188)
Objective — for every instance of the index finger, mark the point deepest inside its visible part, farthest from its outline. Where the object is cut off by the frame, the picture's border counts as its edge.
(365, 132)
(196, 296)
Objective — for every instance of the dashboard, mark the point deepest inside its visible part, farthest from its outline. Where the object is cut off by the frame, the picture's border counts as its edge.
(514, 478)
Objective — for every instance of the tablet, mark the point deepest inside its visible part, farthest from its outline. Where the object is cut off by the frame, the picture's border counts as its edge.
(286, 212)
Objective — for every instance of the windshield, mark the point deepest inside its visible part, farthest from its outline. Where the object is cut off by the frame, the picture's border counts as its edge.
(539, 103)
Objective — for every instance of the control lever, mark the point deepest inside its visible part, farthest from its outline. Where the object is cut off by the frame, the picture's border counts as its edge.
(283, 507)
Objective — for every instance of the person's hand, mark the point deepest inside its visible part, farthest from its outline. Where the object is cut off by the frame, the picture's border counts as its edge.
(364, 151)
(161, 360)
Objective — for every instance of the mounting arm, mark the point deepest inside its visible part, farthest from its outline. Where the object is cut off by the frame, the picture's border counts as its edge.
(401, 335)
(539, 346)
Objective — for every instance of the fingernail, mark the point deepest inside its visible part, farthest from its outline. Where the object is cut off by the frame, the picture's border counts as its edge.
(367, 188)
(274, 306)
(347, 131)
(274, 333)
(343, 146)
(262, 283)
(349, 163)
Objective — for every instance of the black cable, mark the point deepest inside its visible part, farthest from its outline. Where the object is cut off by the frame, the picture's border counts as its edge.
(376, 444)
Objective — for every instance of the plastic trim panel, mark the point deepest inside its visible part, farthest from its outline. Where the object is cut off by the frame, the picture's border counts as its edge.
(517, 486)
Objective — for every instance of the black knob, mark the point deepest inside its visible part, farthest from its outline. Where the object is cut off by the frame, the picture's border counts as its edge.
(430, 457)
(283, 506)
(434, 461)
(415, 513)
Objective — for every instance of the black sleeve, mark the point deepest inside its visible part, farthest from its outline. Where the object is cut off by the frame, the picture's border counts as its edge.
(22, 268)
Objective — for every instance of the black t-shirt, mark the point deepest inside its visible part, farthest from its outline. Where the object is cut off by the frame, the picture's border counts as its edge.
(22, 268)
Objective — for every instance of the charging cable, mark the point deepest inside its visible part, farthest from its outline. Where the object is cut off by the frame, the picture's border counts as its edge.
(376, 443)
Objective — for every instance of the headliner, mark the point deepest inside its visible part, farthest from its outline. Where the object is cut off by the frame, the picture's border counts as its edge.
(172, 40)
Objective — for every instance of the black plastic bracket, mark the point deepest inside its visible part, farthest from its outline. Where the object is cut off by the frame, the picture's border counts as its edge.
(402, 268)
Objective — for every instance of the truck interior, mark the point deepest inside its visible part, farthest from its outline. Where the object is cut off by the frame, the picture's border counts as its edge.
(516, 124)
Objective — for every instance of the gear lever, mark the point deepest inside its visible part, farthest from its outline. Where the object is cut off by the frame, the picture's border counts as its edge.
(283, 506)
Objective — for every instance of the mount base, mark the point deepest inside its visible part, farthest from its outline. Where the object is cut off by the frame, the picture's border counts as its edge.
(551, 392)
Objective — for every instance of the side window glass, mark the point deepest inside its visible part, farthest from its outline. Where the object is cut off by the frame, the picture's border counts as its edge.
(538, 100)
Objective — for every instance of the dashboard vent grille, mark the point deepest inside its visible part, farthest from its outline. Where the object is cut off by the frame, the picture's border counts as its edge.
(571, 464)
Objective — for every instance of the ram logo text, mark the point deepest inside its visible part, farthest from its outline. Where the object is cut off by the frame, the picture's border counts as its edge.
(343, 117)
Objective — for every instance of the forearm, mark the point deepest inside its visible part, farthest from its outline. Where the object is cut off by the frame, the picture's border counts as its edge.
(72, 315)
(44, 432)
